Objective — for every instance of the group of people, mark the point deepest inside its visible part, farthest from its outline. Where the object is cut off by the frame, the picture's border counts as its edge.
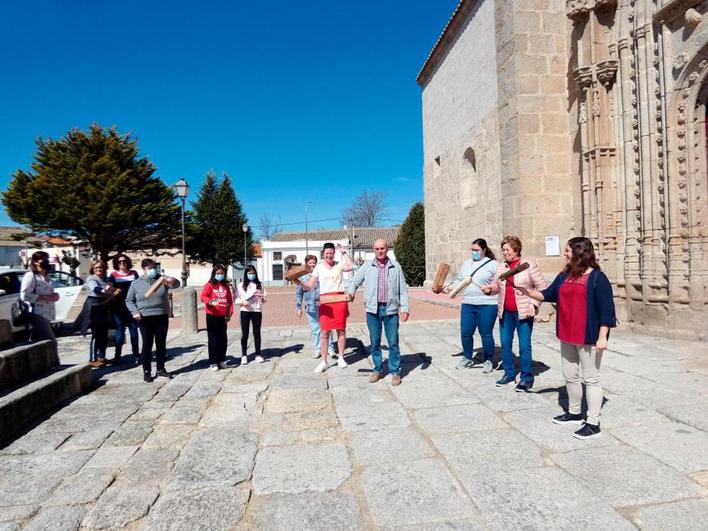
(510, 290)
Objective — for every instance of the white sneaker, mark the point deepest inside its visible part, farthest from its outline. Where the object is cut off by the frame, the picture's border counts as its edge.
(341, 363)
(322, 367)
(244, 360)
(214, 367)
(316, 354)
(259, 359)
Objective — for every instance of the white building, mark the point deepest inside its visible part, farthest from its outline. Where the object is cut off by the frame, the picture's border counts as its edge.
(286, 248)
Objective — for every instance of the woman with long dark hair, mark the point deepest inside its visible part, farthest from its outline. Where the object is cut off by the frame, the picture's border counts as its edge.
(37, 290)
(219, 307)
(250, 296)
(123, 276)
(586, 312)
(478, 310)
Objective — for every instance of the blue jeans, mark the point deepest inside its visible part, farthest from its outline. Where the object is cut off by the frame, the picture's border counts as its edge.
(390, 325)
(509, 323)
(123, 319)
(314, 320)
(482, 317)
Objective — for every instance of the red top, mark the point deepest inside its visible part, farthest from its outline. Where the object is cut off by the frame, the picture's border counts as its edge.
(221, 293)
(573, 310)
(509, 294)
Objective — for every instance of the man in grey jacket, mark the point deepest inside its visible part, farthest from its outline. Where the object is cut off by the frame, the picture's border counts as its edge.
(385, 295)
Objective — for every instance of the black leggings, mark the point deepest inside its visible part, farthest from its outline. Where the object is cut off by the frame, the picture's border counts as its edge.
(99, 331)
(154, 328)
(216, 332)
(246, 319)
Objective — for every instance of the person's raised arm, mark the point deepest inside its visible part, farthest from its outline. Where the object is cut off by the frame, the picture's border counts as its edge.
(347, 264)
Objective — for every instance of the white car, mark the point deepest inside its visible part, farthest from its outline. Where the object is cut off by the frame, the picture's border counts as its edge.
(68, 287)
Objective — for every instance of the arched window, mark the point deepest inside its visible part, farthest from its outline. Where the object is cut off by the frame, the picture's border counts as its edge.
(468, 179)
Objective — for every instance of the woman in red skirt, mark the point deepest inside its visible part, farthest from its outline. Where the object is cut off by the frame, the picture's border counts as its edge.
(333, 315)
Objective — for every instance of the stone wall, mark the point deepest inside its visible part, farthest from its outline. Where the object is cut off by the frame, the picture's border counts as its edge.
(461, 143)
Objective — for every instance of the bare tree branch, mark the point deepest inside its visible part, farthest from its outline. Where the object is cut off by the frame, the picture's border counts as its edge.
(268, 227)
(367, 210)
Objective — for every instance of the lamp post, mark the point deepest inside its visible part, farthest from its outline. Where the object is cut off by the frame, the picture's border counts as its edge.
(245, 234)
(307, 235)
(182, 189)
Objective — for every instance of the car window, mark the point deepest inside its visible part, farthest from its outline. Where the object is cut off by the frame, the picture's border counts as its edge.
(60, 279)
(10, 282)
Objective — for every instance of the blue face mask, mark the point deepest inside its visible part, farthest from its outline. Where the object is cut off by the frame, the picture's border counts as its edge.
(219, 277)
(151, 273)
(476, 255)
(251, 277)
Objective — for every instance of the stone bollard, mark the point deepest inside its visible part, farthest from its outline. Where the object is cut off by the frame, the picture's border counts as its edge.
(189, 311)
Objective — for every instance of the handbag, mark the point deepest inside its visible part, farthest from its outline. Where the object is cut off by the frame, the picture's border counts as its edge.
(21, 311)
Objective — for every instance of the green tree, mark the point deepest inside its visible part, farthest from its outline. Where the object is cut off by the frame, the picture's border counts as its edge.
(95, 186)
(410, 246)
(216, 224)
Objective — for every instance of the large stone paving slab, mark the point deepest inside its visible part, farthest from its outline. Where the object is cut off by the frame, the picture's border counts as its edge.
(215, 509)
(64, 518)
(687, 515)
(457, 419)
(673, 443)
(624, 476)
(84, 487)
(298, 400)
(487, 452)
(215, 457)
(322, 511)
(436, 392)
(413, 493)
(293, 469)
(148, 466)
(387, 445)
(119, 506)
(509, 500)
(232, 410)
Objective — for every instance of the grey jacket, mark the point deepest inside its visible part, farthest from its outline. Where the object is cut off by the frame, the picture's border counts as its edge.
(368, 274)
(158, 304)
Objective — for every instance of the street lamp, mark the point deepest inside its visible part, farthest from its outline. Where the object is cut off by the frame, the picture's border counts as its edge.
(307, 236)
(245, 234)
(182, 189)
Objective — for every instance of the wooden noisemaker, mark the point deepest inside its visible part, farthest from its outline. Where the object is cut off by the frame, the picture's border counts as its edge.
(336, 297)
(460, 286)
(296, 272)
(159, 282)
(440, 277)
(518, 269)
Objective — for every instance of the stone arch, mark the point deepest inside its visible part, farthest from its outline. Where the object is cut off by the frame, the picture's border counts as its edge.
(688, 182)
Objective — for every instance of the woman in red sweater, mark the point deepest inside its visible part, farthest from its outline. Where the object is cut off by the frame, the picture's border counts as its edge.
(219, 307)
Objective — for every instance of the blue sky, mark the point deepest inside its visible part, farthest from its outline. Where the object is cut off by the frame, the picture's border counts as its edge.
(297, 101)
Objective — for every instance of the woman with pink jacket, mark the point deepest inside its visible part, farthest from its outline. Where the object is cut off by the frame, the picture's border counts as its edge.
(516, 311)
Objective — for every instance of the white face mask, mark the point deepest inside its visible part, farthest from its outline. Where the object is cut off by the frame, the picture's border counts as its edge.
(151, 273)
(251, 277)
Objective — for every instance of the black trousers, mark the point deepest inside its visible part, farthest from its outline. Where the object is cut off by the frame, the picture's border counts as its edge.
(216, 333)
(153, 328)
(246, 319)
(99, 331)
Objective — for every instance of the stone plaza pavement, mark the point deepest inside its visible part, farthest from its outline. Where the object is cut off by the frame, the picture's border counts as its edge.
(274, 446)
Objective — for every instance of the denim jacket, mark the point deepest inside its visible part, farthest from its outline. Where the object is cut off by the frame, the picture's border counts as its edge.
(311, 298)
(368, 275)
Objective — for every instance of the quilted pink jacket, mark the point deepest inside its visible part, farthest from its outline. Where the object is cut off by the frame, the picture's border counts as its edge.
(532, 278)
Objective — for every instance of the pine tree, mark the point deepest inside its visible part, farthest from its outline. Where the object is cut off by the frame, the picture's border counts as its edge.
(410, 246)
(216, 224)
(96, 187)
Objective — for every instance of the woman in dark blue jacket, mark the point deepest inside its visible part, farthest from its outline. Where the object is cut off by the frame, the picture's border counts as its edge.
(586, 312)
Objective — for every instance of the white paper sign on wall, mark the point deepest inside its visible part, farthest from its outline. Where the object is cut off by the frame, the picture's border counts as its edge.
(552, 246)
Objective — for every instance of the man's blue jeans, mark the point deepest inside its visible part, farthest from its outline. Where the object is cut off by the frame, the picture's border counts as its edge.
(123, 319)
(314, 320)
(390, 325)
(478, 317)
(509, 323)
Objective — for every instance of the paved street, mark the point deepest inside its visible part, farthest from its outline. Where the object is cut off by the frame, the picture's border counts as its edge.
(274, 446)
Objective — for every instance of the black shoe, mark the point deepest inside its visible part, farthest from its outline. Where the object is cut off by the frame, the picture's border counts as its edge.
(523, 387)
(588, 431)
(568, 418)
(147, 377)
(505, 380)
(116, 360)
(138, 360)
(163, 374)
